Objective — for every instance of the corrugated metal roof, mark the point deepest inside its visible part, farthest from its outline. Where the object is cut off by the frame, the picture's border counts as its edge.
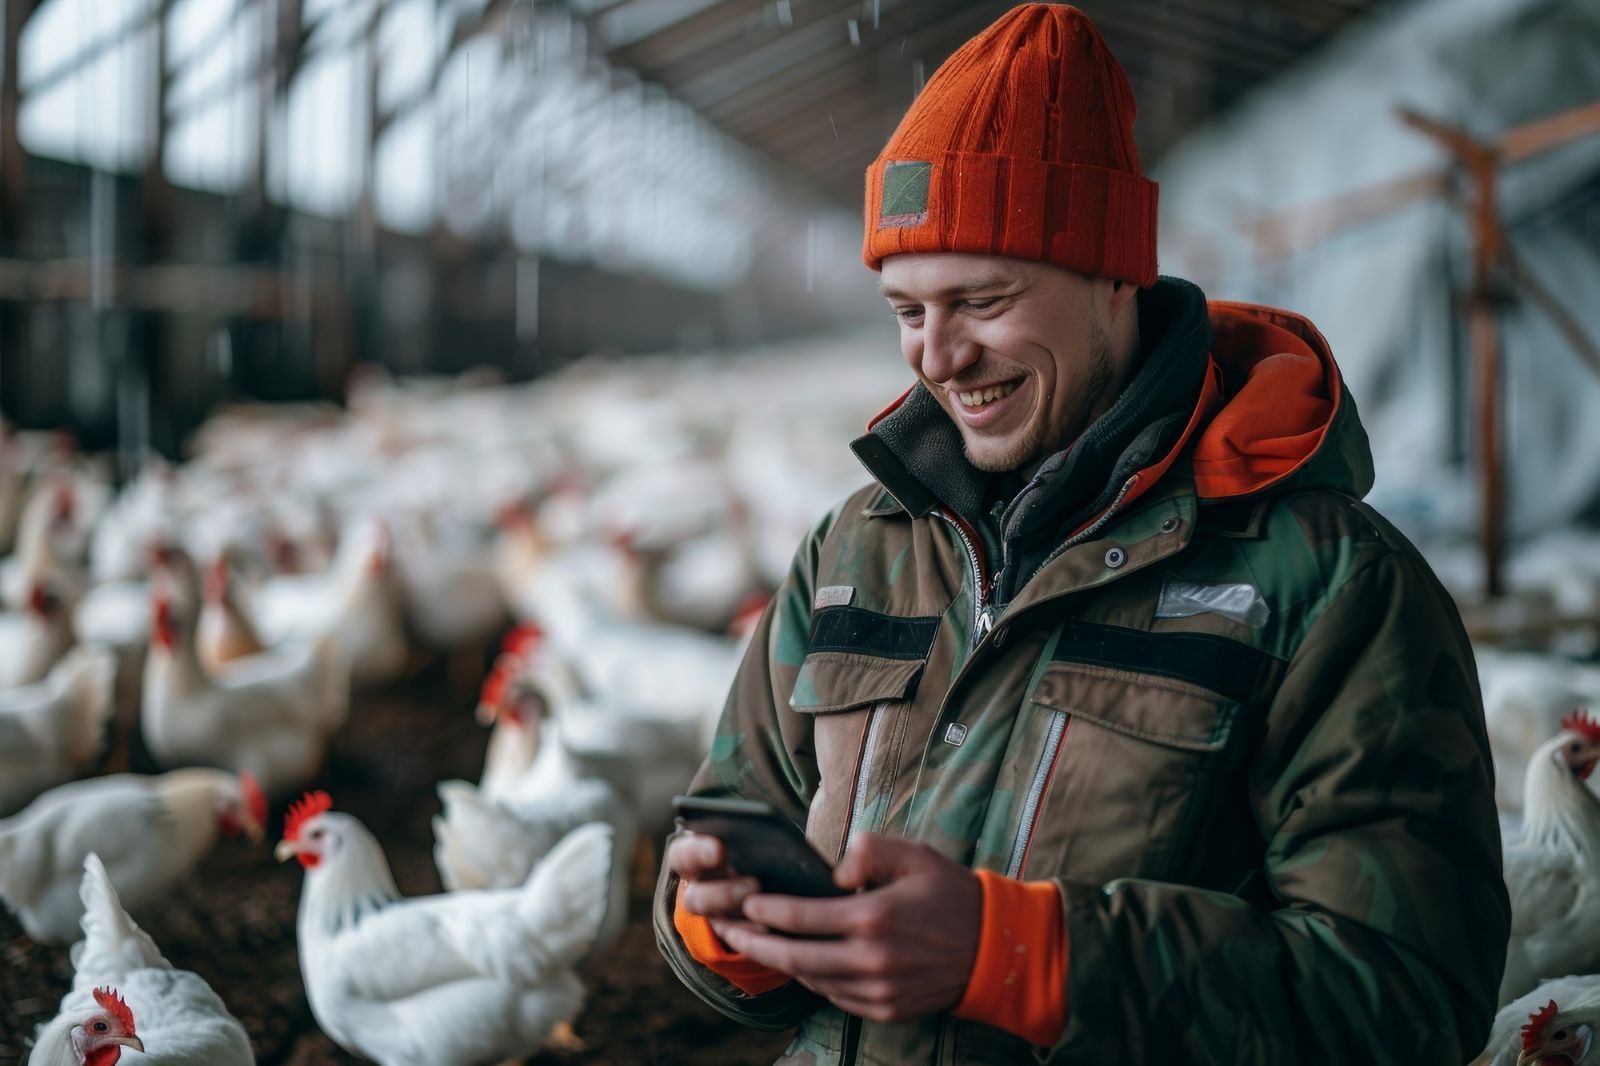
(817, 86)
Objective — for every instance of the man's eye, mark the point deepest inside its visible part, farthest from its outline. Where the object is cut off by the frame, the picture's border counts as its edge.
(980, 305)
(906, 314)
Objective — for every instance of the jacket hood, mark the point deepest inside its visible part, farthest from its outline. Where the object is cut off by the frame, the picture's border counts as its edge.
(1283, 418)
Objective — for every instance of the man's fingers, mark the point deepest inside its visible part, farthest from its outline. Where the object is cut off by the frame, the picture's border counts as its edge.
(813, 917)
(717, 898)
(721, 926)
(811, 959)
(695, 856)
(874, 860)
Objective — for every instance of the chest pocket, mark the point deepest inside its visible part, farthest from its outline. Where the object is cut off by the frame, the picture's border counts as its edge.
(1148, 724)
(858, 677)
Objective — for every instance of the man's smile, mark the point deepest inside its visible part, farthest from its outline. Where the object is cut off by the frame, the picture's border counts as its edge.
(984, 408)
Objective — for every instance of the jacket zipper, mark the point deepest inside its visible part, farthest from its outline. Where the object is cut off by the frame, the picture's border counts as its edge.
(1041, 780)
(863, 779)
(1094, 527)
(982, 617)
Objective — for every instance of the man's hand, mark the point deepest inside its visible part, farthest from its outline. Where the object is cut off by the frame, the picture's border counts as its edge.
(902, 949)
(710, 888)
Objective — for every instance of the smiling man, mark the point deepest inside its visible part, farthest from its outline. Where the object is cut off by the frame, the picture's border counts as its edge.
(1134, 734)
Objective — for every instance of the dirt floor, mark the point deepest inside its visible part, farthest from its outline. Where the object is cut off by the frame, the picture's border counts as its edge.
(234, 922)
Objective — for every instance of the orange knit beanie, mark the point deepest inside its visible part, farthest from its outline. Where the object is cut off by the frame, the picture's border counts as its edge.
(1020, 145)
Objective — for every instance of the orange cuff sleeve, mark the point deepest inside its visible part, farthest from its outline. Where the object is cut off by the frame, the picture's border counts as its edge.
(1019, 978)
(751, 978)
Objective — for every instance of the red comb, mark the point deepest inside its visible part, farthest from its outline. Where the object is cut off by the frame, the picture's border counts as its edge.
(303, 810)
(115, 1006)
(1533, 1032)
(522, 640)
(161, 625)
(255, 801)
(1580, 722)
(494, 686)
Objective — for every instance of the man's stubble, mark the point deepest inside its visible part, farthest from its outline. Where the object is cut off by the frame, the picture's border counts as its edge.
(1042, 440)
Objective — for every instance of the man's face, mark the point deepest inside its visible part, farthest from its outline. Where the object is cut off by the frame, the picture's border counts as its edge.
(1017, 352)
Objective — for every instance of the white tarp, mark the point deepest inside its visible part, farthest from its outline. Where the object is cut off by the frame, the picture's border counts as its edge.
(1385, 292)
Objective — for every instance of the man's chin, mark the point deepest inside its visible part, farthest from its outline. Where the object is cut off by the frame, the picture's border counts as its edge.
(997, 457)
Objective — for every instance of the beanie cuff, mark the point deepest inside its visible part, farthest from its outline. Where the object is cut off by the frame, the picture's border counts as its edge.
(1090, 219)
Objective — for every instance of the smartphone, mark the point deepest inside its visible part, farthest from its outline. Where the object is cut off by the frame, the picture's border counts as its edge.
(760, 843)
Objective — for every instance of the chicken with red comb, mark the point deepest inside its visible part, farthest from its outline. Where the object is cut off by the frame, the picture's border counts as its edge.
(1552, 870)
(449, 980)
(34, 638)
(180, 1017)
(1551, 1039)
(1554, 1025)
(93, 1037)
(172, 821)
(270, 713)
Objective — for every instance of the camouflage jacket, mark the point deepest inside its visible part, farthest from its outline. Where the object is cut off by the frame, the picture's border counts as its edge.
(1226, 707)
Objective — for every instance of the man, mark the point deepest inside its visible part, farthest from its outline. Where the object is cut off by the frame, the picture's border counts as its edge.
(1142, 738)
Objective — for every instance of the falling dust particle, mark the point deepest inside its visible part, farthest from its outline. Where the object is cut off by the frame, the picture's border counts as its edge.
(918, 77)
(785, 15)
(855, 33)
(902, 46)
(834, 124)
(811, 255)
(875, 4)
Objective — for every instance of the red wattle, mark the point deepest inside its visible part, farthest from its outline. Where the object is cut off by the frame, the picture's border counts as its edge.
(104, 1055)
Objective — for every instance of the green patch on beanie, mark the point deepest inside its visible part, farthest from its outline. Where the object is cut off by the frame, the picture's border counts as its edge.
(905, 194)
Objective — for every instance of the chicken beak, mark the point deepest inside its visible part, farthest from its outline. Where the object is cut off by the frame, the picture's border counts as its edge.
(487, 713)
(132, 1042)
(286, 850)
(255, 832)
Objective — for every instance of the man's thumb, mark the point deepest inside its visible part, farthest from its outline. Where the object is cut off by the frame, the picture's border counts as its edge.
(872, 860)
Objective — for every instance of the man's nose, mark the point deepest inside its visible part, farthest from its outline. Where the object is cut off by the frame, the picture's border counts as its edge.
(947, 349)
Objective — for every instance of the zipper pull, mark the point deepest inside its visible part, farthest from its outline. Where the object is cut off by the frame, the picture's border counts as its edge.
(985, 623)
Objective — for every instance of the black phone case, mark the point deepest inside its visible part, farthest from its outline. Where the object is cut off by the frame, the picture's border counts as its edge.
(765, 846)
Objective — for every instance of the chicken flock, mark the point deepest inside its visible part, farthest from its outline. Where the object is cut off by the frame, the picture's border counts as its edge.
(614, 530)
(605, 538)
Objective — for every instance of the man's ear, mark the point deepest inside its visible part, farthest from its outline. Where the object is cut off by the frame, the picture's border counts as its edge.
(1120, 294)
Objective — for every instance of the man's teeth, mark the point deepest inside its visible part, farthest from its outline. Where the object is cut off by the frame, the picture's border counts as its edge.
(989, 395)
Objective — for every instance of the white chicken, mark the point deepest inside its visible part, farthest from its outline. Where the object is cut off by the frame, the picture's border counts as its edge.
(181, 1020)
(355, 600)
(1525, 697)
(225, 633)
(34, 638)
(89, 1035)
(149, 831)
(45, 542)
(450, 980)
(270, 714)
(492, 835)
(54, 729)
(1554, 1025)
(452, 598)
(115, 614)
(1553, 871)
(657, 747)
